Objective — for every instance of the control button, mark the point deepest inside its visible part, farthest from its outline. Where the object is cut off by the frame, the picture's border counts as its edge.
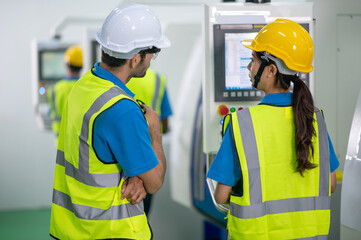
(225, 94)
(233, 94)
(240, 108)
(252, 94)
(245, 94)
(232, 109)
(258, 93)
(221, 122)
(239, 94)
(223, 110)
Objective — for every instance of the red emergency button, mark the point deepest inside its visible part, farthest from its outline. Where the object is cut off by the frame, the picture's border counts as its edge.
(240, 108)
(223, 110)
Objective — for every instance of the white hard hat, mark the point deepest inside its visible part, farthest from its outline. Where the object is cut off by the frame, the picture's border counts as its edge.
(129, 29)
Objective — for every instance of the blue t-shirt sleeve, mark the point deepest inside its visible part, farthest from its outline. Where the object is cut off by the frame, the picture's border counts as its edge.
(121, 135)
(225, 167)
(333, 159)
(165, 108)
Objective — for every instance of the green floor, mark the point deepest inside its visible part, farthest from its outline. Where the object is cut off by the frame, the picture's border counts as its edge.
(27, 224)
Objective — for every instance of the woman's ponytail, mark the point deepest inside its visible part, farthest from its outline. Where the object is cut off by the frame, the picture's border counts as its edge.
(303, 111)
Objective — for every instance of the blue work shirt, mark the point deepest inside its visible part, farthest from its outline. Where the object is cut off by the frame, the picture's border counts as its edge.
(121, 134)
(165, 108)
(225, 167)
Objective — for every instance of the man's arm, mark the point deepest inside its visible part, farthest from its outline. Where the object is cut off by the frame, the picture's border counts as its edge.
(153, 179)
(165, 125)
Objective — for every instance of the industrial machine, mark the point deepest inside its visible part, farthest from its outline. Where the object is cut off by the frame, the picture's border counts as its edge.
(226, 85)
(351, 193)
(48, 68)
(212, 82)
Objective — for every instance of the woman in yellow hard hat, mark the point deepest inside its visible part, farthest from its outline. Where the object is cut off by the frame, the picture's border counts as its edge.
(276, 162)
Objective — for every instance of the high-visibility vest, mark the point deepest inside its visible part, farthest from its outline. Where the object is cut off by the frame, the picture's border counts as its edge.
(57, 97)
(87, 192)
(149, 89)
(277, 202)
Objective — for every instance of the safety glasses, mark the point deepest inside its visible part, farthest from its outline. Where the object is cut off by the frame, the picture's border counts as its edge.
(155, 51)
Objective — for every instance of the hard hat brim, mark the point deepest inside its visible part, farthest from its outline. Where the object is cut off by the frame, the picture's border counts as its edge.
(164, 42)
(248, 43)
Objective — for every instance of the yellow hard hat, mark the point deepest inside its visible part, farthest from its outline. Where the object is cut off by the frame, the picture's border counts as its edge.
(286, 40)
(74, 56)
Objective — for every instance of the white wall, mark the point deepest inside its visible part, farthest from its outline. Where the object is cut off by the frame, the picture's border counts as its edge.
(27, 155)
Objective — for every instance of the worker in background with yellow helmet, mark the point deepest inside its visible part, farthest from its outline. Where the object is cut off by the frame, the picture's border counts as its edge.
(58, 94)
(276, 164)
(110, 150)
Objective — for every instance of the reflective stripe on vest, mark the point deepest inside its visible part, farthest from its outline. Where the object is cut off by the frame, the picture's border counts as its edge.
(87, 198)
(56, 117)
(98, 180)
(250, 210)
(156, 92)
(258, 208)
(82, 174)
(92, 213)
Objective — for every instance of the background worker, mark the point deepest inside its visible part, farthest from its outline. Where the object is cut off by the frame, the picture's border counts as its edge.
(58, 94)
(110, 153)
(151, 89)
(276, 158)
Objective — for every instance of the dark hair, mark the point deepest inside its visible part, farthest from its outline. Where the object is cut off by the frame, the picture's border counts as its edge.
(142, 55)
(303, 111)
(112, 61)
(74, 68)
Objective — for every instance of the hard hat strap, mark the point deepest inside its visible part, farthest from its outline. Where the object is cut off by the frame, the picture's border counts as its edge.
(257, 78)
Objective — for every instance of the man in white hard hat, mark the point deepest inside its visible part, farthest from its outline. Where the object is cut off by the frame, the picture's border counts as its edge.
(110, 147)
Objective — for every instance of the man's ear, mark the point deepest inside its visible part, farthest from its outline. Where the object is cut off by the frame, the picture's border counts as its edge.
(135, 60)
(272, 71)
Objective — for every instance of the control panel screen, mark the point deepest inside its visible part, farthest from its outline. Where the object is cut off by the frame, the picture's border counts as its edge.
(237, 58)
(231, 58)
(51, 65)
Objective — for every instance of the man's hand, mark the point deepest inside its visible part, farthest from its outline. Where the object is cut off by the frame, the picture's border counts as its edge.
(153, 122)
(133, 190)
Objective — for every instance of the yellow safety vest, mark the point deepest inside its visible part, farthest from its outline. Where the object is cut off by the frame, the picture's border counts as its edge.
(149, 89)
(277, 202)
(57, 97)
(87, 192)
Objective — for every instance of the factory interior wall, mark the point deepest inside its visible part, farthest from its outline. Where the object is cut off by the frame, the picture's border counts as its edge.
(27, 154)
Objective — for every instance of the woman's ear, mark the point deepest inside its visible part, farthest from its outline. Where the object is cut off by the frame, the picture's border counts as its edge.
(272, 71)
